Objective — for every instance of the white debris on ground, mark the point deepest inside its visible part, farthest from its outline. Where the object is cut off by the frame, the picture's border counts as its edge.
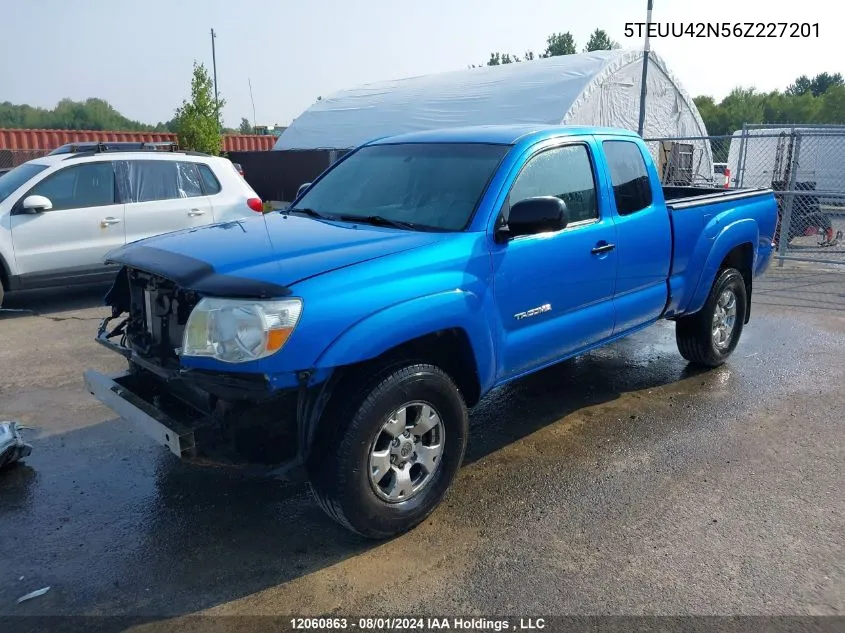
(33, 594)
(12, 446)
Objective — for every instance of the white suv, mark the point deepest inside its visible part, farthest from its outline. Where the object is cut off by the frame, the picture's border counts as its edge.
(61, 214)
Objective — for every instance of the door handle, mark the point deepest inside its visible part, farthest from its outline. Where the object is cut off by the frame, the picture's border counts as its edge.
(604, 248)
(195, 212)
(108, 221)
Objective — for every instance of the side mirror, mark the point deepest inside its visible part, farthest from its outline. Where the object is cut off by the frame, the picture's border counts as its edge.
(302, 188)
(537, 215)
(36, 204)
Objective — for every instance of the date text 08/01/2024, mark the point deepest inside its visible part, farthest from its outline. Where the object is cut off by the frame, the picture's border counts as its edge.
(433, 623)
(722, 29)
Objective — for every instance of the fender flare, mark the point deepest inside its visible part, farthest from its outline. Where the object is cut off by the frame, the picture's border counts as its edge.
(735, 234)
(412, 319)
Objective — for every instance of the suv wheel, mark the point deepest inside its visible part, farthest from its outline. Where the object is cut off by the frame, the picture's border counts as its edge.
(398, 444)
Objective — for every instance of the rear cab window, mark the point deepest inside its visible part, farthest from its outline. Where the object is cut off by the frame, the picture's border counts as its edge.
(628, 175)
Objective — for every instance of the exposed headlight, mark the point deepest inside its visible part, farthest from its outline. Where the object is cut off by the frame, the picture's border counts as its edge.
(237, 331)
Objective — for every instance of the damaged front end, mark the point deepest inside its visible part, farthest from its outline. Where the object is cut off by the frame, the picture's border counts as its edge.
(200, 415)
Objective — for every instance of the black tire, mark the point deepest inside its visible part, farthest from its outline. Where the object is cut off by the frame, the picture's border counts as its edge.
(338, 466)
(694, 333)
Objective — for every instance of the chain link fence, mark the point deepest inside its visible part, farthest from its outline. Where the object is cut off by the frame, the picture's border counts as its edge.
(803, 164)
(10, 158)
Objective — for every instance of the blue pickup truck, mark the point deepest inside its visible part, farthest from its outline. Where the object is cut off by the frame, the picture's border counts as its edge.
(346, 335)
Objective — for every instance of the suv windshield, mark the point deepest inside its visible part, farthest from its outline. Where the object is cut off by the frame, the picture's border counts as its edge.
(419, 185)
(10, 181)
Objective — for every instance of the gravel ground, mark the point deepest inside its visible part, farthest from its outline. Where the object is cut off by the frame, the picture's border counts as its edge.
(621, 482)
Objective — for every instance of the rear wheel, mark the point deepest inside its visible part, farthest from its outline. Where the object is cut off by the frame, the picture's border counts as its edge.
(389, 450)
(710, 335)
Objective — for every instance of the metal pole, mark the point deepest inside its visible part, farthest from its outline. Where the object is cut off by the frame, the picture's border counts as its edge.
(253, 104)
(646, 50)
(214, 64)
(788, 202)
(740, 163)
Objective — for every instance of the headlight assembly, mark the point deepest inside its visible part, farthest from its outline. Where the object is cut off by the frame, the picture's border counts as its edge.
(238, 331)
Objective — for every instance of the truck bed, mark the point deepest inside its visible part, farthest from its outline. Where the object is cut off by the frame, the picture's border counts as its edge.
(699, 216)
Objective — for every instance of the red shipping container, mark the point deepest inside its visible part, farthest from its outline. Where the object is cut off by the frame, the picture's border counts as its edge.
(51, 139)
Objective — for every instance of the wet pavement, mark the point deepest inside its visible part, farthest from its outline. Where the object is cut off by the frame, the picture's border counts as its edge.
(619, 482)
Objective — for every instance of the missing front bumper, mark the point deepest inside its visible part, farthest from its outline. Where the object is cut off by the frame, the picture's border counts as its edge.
(199, 427)
(115, 393)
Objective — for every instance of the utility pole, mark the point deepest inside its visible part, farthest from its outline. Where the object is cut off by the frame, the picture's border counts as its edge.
(646, 50)
(253, 104)
(214, 64)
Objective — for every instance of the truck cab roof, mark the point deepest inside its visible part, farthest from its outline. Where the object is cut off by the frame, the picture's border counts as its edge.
(498, 134)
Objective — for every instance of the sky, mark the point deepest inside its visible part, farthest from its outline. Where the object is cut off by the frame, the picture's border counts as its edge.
(138, 54)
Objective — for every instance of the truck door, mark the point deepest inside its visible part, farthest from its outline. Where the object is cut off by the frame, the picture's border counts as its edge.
(643, 237)
(554, 291)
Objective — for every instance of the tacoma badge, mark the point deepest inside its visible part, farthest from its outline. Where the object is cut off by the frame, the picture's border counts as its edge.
(533, 312)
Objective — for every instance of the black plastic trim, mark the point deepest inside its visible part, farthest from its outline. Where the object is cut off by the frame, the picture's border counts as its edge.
(714, 198)
(6, 278)
(194, 274)
(63, 277)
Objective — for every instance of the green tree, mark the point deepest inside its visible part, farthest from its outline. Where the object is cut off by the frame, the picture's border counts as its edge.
(560, 44)
(600, 41)
(497, 59)
(780, 108)
(167, 126)
(832, 107)
(798, 104)
(246, 127)
(715, 118)
(743, 105)
(823, 82)
(197, 120)
(91, 114)
(817, 86)
(800, 86)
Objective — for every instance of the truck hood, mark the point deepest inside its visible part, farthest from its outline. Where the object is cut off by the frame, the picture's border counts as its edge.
(263, 256)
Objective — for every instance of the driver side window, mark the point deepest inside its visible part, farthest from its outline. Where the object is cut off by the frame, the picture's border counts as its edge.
(78, 186)
(562, 172)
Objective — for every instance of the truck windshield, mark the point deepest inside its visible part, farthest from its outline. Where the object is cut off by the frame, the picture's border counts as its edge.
(420, 185)
(10, 181)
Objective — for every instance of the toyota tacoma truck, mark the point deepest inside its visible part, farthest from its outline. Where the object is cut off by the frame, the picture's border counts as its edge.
(345, 337)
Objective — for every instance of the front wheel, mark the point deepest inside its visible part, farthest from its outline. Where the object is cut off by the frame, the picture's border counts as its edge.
(390, 450)
(710, 335)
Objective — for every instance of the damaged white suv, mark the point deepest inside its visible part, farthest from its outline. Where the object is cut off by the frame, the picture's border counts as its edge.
(61, 214)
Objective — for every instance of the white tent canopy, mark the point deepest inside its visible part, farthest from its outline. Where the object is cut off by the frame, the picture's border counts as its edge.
(598, 88)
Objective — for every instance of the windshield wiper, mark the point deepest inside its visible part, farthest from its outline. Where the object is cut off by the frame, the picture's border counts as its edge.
(311, 213)
(378, 220)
